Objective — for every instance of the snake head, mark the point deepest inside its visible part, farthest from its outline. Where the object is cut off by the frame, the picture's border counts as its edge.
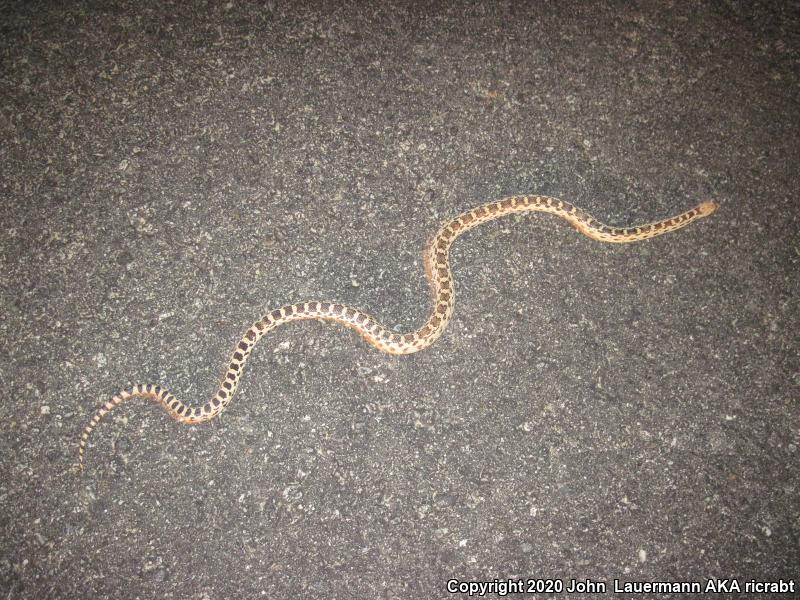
(706, 207)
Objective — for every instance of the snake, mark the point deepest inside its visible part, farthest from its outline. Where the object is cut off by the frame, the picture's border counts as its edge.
(440, 278)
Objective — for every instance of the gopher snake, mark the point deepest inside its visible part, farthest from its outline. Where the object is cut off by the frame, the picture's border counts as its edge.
(437, 269)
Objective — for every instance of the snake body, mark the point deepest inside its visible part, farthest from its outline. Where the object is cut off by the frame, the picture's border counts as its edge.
(437, 269)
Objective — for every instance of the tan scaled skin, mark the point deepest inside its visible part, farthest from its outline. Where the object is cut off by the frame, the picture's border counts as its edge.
(437, 270)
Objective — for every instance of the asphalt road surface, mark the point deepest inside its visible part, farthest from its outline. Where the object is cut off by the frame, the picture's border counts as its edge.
(171, 171)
